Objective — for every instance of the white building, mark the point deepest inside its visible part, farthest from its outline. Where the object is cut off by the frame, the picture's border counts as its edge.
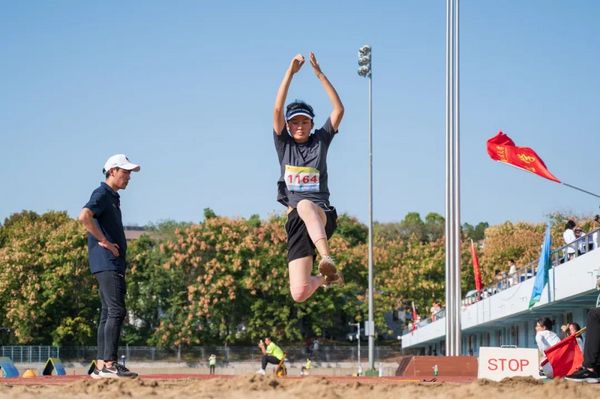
(504, 318)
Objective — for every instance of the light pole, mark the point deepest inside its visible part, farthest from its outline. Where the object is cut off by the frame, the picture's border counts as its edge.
(364, 70)
(357, 325)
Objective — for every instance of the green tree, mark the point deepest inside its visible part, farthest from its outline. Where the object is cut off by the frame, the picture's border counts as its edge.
(209, 214)
(475, 233)
(149, 287)
(352, 230)
(435, 226)
(45, 283)
(410, 271)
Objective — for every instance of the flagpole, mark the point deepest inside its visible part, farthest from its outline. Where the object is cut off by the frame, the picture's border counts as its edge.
(474, 276)
(580, 189)
(580, 332)
(452, 206)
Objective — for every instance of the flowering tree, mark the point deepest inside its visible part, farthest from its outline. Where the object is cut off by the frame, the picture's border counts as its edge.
(46, 290)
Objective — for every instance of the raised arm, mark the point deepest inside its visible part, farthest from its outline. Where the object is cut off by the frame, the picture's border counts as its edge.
(278, 116)
(338, 107)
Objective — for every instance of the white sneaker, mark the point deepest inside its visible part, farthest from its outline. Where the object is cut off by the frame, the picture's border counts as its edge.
(261, 372)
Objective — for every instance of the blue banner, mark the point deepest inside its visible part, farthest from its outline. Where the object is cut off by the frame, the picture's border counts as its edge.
(542, 273)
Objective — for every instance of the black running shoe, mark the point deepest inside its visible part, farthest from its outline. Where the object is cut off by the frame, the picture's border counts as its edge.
(584, 375)
(117, 371)
(95, 374)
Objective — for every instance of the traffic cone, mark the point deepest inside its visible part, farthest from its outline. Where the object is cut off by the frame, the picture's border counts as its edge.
(29, 373)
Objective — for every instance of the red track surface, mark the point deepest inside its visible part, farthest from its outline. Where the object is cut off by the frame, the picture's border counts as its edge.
(67, 379)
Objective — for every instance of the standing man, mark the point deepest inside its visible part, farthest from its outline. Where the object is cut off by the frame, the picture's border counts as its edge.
(212, 363)
(107, 249)
(271, 354)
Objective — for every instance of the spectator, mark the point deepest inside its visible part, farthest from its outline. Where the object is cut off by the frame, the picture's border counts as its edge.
(308, 347)
(305, 369)
(581, 242)
(315, 346)
(545, 338)
(569, 237)
(407, 313)
(564, 331)
(589, 371)
(573, 328)
(435, 308)
(595, 227)
(498, 277)
(512, 272)
(271, 354)
(212, 363)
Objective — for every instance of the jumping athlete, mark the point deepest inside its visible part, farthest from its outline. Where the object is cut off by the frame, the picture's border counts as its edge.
(302, 185)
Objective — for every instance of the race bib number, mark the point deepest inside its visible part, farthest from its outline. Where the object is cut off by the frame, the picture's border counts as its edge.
(301, 178)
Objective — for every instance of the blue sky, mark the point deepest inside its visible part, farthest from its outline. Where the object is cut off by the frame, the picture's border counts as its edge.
(186, 89)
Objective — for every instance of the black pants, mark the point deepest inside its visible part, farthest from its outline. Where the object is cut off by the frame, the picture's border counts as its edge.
(212, 369)
(591, 348)
(269, 359)
(112, 295)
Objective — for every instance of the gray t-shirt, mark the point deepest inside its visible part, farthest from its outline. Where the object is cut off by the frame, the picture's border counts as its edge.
(304, 167)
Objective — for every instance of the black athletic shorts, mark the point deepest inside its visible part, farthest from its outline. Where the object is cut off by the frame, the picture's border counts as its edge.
(299, 243)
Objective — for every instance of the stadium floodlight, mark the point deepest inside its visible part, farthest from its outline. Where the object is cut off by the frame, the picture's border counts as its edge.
(364, 70)
(364, 61)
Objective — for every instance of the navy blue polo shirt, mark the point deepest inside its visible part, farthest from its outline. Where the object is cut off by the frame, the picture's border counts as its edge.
(105, 205)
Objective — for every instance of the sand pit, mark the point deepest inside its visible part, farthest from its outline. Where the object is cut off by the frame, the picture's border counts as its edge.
(307, 388)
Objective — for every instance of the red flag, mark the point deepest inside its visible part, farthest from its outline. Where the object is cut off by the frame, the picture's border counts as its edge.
(502, 148)
(414, 316)
(476, 271)
(565, 357)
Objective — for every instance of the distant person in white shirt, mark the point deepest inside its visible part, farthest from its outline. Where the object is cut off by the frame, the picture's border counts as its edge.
(596, 226)
(512, 272)
(569, 237)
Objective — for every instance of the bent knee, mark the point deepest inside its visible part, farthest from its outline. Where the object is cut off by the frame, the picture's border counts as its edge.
(300, 293)
(305, 205)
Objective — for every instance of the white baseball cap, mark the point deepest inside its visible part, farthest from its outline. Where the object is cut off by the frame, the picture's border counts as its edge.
(120, 161)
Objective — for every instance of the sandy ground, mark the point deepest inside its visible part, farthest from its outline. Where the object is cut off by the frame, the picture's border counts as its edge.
(305, 388)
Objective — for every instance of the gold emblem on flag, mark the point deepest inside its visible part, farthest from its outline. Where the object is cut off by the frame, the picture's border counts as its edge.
(526, 158)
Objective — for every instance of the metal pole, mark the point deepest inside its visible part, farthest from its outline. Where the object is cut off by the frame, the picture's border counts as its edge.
(371, 332)
(452, 228)
(580, 189)
(359, 369)
(457, 253)
(447, 230)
